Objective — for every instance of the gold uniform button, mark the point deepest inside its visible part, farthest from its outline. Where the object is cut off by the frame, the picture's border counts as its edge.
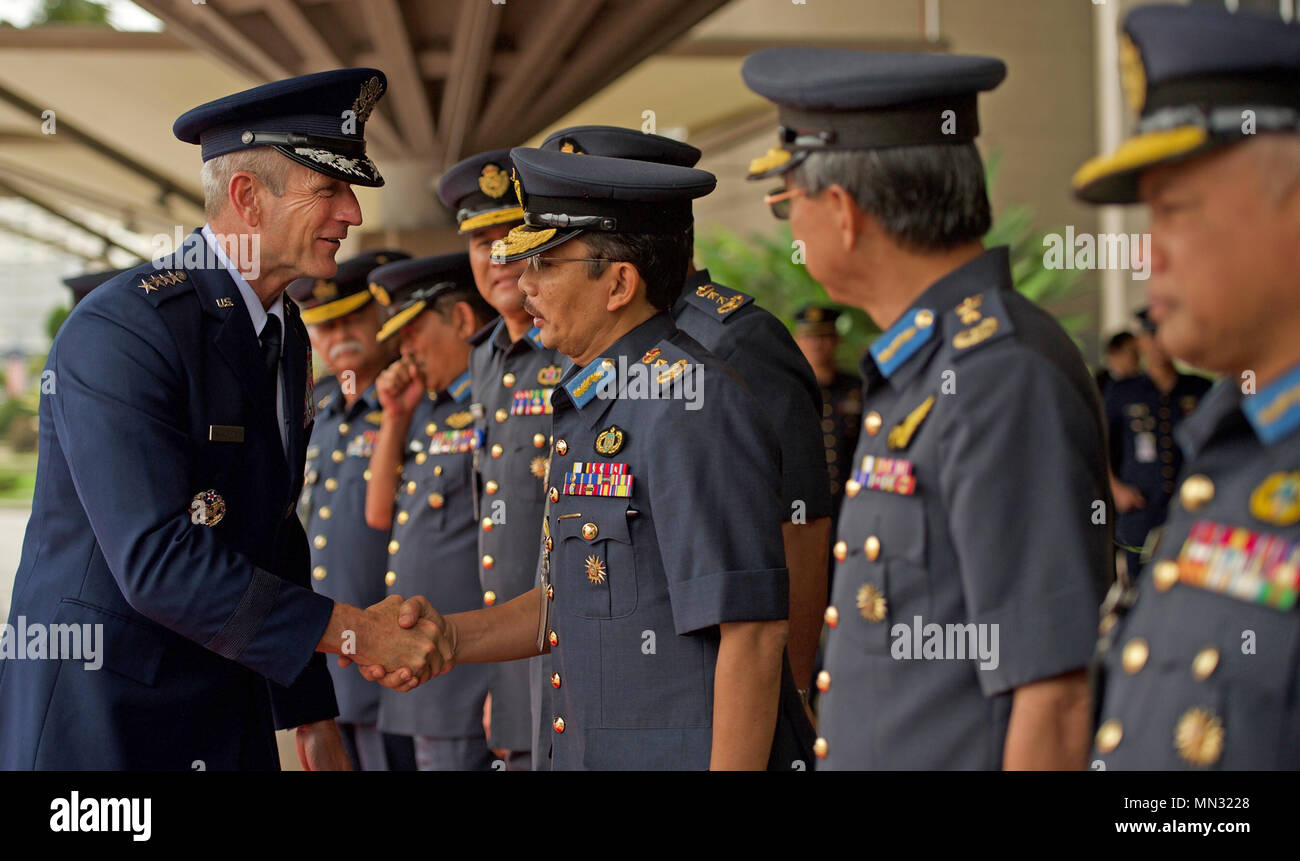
(553, 639)
(491, 487)
(366, 475)
(840, 551)
(872, 423)
(558, 723)
(344, 428)
(1135, 654)
(549, 544)
(554, 495)
(325, 512)
(488, 561)
(431, 428)
(589, 531)
(871, 603)
(436, 500)
(1196, 491)
(821, 748)
(318, 542)
(487, 524)
(872, 548)
(823, 681)
(489, 598)
(497, 450)
(403, 516)
(393, 547)
(318, 572)
(1109, 735)
(437, 470)
(924, 319)
(852, 488)
(331, 484)
(1165, 574)
(421, 458)
(501, 415)
(508, 380)
(390, 578)
(555, 680)
(561, 447)
(1205, 662)
(1199, 736)
(337, 455)
(831, 617)
(539, 440)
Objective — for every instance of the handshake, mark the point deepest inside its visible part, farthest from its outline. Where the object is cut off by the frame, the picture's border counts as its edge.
(399, 644)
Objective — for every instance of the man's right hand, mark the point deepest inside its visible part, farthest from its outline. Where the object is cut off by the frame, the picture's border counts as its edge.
(1127, 497)
(411, 653)
(415, 613)
(400, 387)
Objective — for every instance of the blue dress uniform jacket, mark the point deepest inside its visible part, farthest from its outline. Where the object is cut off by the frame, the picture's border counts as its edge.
(348, 558)
(637, 581)
(759, 348)
(158, 394)
(512, 387)
(434, 553)
(979, 498)
(1204, 670)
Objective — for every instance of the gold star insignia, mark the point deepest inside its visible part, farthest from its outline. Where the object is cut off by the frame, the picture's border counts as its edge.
(538, 467)
(595, 569)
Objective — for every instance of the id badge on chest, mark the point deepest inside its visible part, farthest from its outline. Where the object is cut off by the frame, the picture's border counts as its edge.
(1144, 445)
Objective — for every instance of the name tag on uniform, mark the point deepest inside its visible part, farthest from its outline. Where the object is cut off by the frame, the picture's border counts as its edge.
(598, 479)
(1144, 445)
(225, 433)
(1241, 563)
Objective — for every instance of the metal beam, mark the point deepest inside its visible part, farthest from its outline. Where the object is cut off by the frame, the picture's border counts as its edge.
(14, 191)
(53, 243)
(476, 30)
(719, 47)
(407, 93)
(95, 199)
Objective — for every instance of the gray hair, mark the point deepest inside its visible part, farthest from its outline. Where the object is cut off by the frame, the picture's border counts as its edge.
(928, 198)
(269, 166)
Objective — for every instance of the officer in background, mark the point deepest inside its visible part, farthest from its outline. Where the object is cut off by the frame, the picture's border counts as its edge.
(759, 348)
(976, 509)
(513, 375)
(1122, 360)
(1200, 672)
(841, 394)
(424, 460)
(348, 558)
(1142, 413)
(81, 285)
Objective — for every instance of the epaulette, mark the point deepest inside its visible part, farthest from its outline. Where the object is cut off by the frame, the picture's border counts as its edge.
(460, 388)
(978, 320)
(668, 361)
(718, 303)
(159, 285)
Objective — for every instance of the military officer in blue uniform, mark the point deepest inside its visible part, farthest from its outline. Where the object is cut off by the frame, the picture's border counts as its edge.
(173, 435)
(513, 375)
(663, 599)
(424, 459)
(1200, 666)
(1142, 413)
(973, 545)
(348, 557)
(759, 348)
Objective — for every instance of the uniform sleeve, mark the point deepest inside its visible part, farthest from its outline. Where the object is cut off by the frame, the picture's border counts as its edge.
(715, 497)
(767, 359)
(132, 473)
(1023, 466)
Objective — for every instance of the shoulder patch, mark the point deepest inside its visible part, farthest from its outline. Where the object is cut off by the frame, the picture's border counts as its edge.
(902, 341)
(668, 361)
(719, 303)
(977, 320)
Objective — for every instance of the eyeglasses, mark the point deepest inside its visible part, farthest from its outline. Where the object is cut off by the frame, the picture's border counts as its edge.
(535, 262)
(778, 200)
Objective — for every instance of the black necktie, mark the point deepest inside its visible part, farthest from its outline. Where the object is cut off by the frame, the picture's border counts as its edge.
(270, 339)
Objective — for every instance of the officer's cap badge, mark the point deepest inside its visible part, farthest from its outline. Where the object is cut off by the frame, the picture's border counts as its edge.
(492, 180)
(610, 441)
(207, 508)
(1132, 75)
(324, 290)
(570, 145)
(366, 100)
(380, 294)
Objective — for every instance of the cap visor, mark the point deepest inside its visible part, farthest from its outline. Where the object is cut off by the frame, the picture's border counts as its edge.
(1113, 178)
(333, 310)
(357, 171)
(395, 323)
(526, 241)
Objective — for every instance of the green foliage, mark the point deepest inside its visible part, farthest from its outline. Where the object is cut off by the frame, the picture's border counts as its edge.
(55, 319)
(71, 12)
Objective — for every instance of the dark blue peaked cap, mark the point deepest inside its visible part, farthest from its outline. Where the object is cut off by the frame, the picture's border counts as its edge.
(303, 117)
(564, 196)
(80, 285)
(834, 99)
(1191, 73)
(410, 286)
(478, 189)
(616, 142)
(323, 299)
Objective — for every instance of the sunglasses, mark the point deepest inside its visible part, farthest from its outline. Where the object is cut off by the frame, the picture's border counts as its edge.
(778, 200)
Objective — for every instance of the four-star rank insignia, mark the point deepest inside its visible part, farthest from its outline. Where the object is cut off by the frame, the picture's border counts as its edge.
(207, 508)
(596, 572)
(492, 180)
(609, 442)
(151, 283)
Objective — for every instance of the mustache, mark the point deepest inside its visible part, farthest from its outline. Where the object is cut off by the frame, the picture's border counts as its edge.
(531, 311)
(353, 346)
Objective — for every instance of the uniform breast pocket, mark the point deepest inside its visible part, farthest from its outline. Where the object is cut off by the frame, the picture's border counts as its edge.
(884, 555)
(595, 543)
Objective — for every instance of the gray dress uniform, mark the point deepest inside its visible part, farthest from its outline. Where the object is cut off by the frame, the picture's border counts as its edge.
(434, 552)
(513, 382)
(970, 551)
(348, 558)
(662, 524)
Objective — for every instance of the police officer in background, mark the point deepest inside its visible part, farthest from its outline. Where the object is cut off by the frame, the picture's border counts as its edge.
(347, 556)
(513, 375)
(758, 347)
(976, 506)
(1200, 671)
(841, 393)
(421, 487)
(1122, 360)
(1142, 413)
